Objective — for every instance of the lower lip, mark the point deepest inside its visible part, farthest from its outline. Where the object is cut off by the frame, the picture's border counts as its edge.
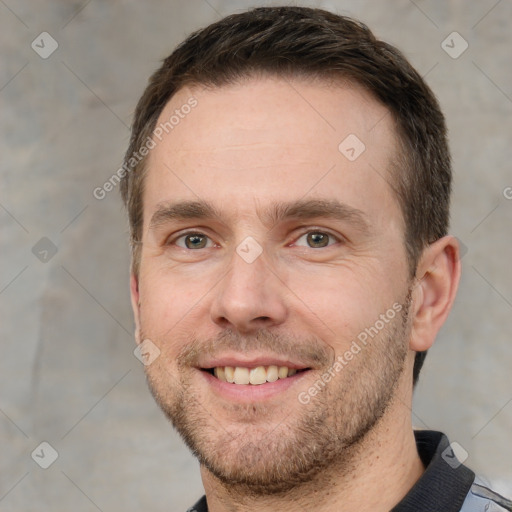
(249, 392)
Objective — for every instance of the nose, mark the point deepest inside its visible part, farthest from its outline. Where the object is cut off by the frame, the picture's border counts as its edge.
(249, 297)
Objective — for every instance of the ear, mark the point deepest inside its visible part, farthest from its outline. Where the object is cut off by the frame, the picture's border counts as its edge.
(437, 280)
(134, 293)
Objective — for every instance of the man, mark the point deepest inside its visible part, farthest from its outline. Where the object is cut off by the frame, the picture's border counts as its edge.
(288, 184)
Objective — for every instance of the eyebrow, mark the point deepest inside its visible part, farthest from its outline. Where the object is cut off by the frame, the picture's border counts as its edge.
(302, 209)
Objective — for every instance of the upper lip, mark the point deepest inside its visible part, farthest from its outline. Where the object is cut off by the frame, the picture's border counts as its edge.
(251, 362)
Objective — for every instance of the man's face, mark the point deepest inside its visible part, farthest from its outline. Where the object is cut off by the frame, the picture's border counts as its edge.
(302, 256)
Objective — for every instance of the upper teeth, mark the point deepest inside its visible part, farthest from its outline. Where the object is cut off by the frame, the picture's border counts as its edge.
(258, 375)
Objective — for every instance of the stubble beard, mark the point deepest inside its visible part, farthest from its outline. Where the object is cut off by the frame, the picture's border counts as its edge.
(267, 454)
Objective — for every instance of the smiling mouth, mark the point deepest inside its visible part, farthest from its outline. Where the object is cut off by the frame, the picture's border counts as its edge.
(242, 375)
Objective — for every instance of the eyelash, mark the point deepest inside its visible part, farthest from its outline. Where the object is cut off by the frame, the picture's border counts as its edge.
(189, 233)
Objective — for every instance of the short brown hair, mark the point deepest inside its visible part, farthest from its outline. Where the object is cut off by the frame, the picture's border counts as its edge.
(303, 42)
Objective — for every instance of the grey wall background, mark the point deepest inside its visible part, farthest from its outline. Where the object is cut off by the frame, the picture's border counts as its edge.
(68, 375)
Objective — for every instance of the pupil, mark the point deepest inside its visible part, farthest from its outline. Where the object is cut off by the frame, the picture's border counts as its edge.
(194, 241)
(318, 239)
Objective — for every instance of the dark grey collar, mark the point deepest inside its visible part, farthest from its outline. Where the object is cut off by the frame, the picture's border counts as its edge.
(444, 485)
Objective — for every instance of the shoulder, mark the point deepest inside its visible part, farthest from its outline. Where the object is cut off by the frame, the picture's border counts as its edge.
(482, 498)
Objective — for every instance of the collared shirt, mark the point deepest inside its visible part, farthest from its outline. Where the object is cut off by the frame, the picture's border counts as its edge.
(445, 486)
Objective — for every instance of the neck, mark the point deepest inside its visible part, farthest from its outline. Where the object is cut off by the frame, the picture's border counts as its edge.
(376, 474)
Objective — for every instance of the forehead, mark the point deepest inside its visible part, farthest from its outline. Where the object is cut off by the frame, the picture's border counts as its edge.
(271, 138)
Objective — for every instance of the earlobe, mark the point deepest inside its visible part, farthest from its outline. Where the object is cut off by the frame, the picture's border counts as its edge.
(438, 277)
(135, 299)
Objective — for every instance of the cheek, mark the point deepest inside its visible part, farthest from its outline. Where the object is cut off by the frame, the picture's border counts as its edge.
(169, 302)
(342, 302)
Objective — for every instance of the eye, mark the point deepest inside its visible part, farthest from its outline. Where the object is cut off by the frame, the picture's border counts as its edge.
(193, 240)
(317, 239)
